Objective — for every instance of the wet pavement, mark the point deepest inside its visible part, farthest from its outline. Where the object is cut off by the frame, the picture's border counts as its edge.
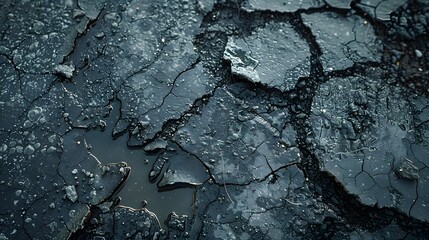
(214, 119)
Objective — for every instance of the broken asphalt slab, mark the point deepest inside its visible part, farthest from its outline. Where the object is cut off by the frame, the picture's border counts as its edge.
(301, 119)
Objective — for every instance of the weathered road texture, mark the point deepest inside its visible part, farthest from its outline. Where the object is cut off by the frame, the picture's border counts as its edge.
(290, 119)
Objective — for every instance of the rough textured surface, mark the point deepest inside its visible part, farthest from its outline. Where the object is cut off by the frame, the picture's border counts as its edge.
(244, 119)
(274, 55)
(282, 6)
(370, 153)
(355, 42)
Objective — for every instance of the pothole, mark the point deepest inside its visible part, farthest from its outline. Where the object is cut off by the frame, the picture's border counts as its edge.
(137, 192)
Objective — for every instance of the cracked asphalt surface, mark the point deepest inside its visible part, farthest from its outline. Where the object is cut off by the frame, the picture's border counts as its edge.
(214, 119)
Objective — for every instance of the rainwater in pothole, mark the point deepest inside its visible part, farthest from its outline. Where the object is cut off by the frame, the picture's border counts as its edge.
(137, 187)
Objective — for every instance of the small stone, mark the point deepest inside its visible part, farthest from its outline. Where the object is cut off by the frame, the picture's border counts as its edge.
(105, 207)
(100, 35)
(102, 124)
(34, 114)
(65, 70)
(18, 192)
(72, 213)
(3, 148)
(29, 150)
(53, 226)
(51, 149)
(93, 194)
(419, 54)
(28, 124)
(52, 138)
(19, 149)
(144, 124)
(52, 205)
(408, 170)
(74, 172)
(135, 131)
(71, 193)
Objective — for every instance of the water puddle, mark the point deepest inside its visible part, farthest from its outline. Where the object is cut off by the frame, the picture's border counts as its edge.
(137, 188)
